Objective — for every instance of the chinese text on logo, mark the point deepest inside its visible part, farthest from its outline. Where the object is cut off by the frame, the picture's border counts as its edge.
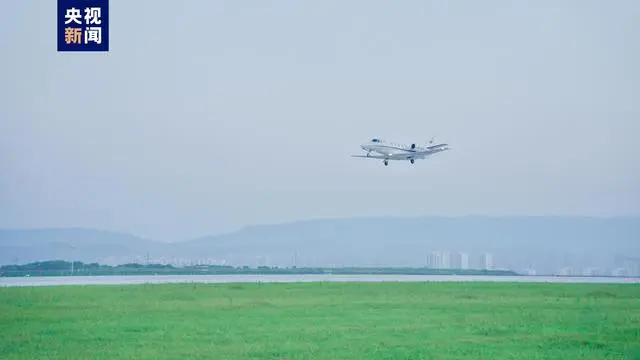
(83, 25)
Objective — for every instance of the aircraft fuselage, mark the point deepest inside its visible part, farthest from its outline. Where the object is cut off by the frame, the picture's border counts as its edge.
(386, 151)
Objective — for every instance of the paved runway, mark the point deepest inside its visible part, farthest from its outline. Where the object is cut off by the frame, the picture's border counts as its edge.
(159, 279)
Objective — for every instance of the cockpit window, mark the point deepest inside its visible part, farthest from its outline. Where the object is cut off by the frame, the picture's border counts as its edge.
(375, 140)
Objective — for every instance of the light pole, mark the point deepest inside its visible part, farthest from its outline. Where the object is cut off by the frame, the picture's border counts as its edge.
(72, 259)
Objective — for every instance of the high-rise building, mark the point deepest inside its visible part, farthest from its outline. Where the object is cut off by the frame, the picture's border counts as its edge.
(439, 260)
(460, 260)
(486, 261)
(433, 260)
(446, 260)
(631, 266)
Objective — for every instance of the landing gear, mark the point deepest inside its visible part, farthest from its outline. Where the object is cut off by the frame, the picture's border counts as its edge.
(386, 162)
(412, 161)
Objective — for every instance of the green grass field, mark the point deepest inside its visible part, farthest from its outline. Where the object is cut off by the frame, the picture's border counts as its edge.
(322, 321)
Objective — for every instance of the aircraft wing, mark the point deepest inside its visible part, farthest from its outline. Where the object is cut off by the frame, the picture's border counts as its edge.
(389, 157)
(423, 154)
(371, 156)
(436, 146)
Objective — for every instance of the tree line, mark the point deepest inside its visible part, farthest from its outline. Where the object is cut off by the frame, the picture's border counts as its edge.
(79, 268)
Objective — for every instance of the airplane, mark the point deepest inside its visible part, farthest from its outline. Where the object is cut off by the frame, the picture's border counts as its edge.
(379, 149)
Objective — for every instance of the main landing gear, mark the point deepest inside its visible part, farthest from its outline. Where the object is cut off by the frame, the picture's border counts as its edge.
(386, 161)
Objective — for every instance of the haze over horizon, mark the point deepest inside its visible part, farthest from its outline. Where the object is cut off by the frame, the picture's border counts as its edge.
(315, 220)
(203, 120)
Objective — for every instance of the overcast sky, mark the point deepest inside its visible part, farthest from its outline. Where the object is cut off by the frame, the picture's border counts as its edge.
(208, 116)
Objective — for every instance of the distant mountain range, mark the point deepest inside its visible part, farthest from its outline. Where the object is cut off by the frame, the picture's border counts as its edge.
(28, 245)
(544, 243)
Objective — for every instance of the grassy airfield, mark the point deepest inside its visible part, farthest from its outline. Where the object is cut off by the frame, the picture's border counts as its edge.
(322, 321)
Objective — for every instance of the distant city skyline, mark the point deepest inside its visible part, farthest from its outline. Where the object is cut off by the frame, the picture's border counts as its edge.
(435, 260)
(533, 245)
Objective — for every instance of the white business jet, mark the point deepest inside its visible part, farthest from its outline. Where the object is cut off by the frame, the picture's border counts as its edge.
(380, 149)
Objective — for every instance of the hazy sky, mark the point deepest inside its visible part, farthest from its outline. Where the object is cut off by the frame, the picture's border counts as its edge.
(211, 115)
